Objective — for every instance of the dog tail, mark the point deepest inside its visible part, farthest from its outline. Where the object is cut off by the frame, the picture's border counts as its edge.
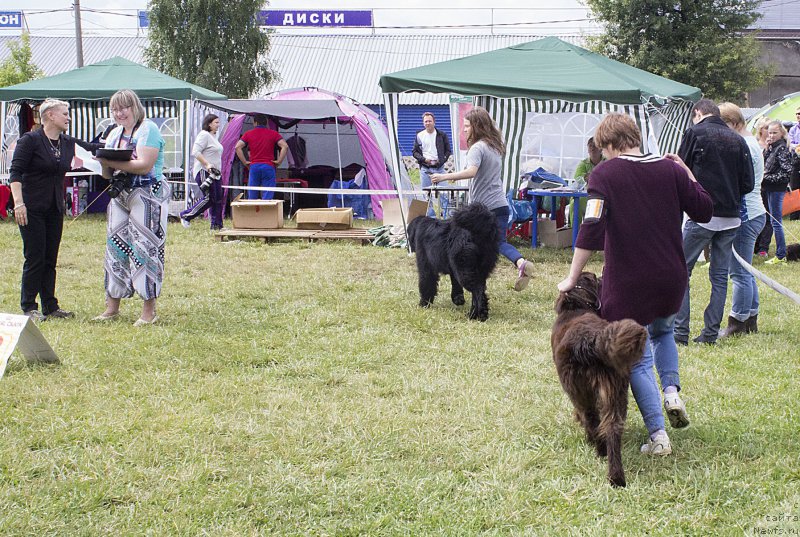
(478, 220)
(624, 345)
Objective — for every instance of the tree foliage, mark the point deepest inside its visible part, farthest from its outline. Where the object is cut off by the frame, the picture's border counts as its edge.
(702, 43)
(19, 67)
(216, 44)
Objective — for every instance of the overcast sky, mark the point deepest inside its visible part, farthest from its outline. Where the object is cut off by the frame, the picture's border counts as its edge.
(108, 17)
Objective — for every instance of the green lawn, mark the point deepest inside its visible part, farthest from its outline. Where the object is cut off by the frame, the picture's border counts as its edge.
(297, 389)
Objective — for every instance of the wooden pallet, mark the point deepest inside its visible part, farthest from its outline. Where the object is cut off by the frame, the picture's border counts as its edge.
(309, 235)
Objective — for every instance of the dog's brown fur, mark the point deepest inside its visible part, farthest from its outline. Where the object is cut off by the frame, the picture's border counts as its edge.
(594, 359)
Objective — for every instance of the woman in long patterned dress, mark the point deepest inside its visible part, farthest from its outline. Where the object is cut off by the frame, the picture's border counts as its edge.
(137, 217)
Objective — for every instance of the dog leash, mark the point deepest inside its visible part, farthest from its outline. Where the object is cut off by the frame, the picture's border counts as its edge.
(772, 284)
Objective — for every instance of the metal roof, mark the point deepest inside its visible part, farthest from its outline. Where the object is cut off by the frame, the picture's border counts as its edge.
(347, 64)
(56, 55)
(778, 15)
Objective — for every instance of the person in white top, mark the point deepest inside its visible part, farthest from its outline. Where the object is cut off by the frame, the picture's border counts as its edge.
(431, 150)
(743, 318)
(207, 152)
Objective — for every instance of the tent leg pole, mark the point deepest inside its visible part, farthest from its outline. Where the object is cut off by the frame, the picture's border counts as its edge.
(339, 151)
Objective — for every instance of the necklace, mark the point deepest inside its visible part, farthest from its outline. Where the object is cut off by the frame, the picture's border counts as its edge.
(56, 147)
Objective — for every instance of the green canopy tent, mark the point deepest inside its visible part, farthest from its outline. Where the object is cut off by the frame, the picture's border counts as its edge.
(523, 84)
(88, 89)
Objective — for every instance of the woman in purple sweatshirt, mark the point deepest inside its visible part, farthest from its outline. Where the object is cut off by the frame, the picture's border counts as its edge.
(634, 213)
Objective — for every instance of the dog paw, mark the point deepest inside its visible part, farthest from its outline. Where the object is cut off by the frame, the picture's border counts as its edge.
(476, 315)
(617, 481)
(458, 300)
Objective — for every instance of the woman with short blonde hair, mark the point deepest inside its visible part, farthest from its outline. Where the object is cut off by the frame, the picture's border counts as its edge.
(41, 160)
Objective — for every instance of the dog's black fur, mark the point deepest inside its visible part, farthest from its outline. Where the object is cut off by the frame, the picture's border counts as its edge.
(465, 247)
(793, 252)
(594, 359)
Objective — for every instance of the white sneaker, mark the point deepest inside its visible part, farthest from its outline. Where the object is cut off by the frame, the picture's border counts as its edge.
(676, 410)
(185, 223)
(658, 444)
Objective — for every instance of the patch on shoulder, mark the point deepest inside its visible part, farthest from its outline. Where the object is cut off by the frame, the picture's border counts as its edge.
(594, 209)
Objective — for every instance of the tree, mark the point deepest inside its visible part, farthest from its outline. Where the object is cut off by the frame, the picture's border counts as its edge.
(702, 43)
(19, 67)
(216, 44)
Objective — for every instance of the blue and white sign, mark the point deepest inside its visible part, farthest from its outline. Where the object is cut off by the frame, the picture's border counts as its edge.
(10, 19)
(317, 18)
(300, 19)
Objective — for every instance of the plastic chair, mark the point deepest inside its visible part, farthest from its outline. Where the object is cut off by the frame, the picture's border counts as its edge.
(520, 215)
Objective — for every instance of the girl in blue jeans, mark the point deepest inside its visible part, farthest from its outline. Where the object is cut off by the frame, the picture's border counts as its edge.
(633, 214)
(484, 164)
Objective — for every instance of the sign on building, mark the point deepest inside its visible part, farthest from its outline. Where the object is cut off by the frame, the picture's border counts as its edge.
(10, 19)
(301, 19)
(315, 18)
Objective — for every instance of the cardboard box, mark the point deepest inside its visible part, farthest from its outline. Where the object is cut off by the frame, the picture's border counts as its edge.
(560, 238)
(325, 218)
(546, 225)
(391, 211)
(256, 214)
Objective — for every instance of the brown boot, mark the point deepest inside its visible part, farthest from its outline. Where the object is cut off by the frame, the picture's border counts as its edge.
(734, 327)
(751, 325)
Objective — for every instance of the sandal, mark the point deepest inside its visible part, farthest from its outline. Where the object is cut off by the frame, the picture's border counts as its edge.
(525, 273)
(103, 317)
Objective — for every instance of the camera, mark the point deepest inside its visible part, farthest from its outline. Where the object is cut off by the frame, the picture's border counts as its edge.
(119, 181)
(212, 175)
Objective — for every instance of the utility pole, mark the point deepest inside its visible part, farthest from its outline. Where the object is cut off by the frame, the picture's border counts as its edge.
(78, 33)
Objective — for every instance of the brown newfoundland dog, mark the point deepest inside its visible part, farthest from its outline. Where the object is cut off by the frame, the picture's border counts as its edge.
(594, 359)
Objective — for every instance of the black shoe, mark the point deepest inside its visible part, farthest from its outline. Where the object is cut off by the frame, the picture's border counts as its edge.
(751, 325)
(60, 314)
(701, 339)
(35, 315)
(734, 327)
(681, 342)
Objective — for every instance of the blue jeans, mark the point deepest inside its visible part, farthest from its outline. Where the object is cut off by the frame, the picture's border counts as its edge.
(661, 349)
(261, 175)
(745, 290)
(425, 180)
(695, 238)
(508, 251)
(775, 202)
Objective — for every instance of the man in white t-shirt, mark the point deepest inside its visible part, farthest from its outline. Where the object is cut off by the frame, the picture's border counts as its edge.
(431, 150)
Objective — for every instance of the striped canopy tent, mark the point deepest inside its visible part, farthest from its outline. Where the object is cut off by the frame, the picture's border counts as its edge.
(547, 96)
(88, 90)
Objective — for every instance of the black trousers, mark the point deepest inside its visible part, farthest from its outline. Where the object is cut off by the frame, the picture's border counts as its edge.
(40, 241)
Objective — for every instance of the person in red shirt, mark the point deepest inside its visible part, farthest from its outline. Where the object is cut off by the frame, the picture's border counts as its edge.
(261, 142)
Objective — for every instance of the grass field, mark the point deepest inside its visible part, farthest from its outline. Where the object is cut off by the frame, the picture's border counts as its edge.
(297, 389)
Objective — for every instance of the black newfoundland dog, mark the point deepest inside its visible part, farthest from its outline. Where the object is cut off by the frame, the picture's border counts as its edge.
(465, 247)
(594, 359)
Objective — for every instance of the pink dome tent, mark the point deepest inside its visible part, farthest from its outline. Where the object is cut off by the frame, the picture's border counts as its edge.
(360, 136)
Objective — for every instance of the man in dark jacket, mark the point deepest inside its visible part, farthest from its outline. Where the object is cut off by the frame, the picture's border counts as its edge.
(720, 160)
(431, 149)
